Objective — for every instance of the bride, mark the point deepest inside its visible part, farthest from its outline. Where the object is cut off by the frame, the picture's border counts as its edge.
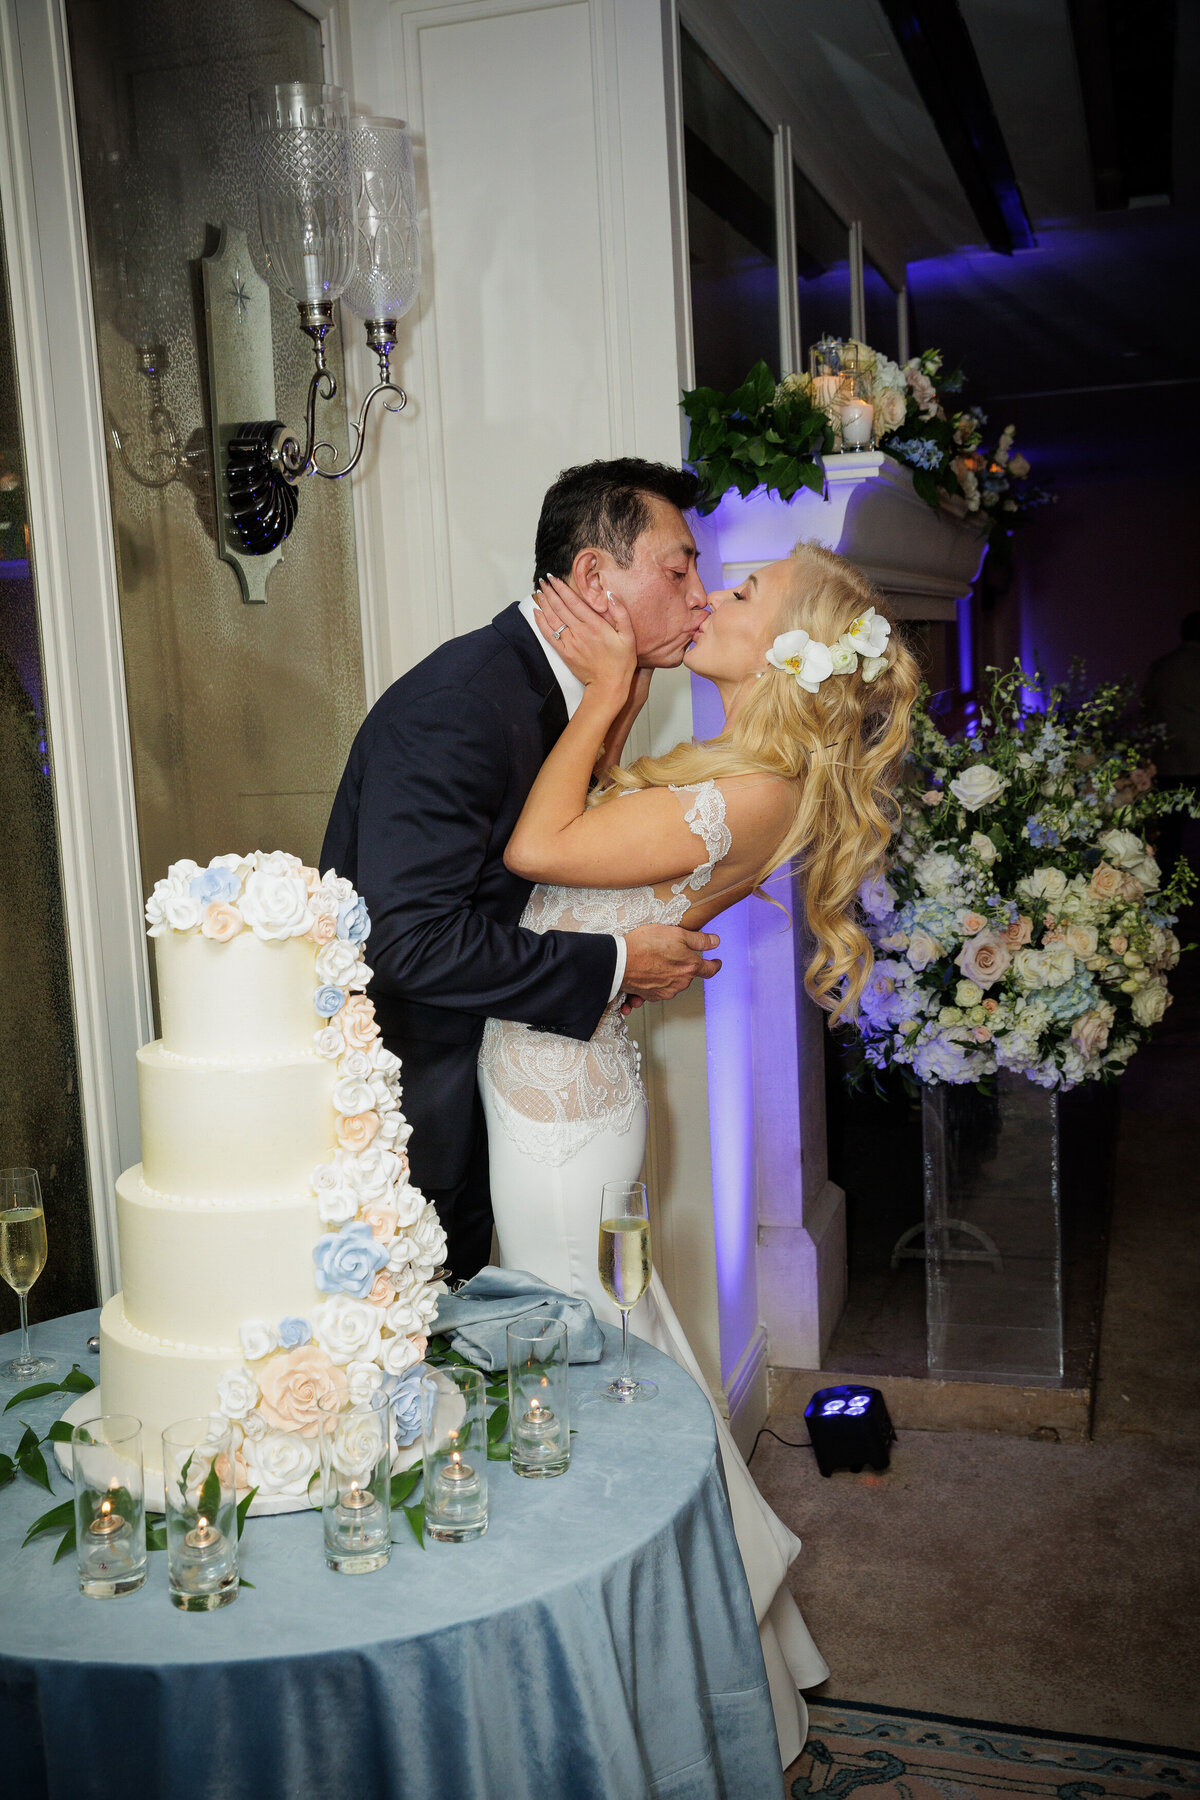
(817, 699)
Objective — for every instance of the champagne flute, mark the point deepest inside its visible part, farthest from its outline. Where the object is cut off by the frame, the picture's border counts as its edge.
(22, 1259)
(624, 1261)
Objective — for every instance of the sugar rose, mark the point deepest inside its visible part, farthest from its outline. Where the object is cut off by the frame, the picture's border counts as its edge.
(293, 1383)
(324, 929)
(358, 1022)
(357, 1131)
(221, 922)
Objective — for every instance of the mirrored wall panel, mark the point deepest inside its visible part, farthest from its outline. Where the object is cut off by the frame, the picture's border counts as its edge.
(40, 1125)
(241, 715)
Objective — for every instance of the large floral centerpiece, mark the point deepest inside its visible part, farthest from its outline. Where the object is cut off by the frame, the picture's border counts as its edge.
(773, 434)
(1022, 922)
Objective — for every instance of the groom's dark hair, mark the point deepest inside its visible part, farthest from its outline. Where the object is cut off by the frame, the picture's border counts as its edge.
(605, 506)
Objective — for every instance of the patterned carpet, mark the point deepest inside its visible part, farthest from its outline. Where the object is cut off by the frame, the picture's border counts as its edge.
(897, 1755)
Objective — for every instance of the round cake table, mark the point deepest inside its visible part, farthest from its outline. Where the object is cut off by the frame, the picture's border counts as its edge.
(598, 1643)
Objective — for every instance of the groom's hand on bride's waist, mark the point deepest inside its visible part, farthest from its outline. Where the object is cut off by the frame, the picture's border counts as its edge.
(661, 960)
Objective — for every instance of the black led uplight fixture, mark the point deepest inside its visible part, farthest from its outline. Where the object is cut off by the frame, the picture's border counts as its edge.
(849, 1427)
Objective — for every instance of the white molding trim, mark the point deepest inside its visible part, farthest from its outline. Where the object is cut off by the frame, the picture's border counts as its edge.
(54, 344)
(790, 352)
(858, 311)
(744, 1397)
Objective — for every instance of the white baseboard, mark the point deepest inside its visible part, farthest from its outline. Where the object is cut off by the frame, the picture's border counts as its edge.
(743, 1398)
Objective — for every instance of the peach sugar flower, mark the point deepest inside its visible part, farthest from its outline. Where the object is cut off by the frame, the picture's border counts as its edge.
(382, 1218)
(357, 1130)
(359, 1025)
(382, 1291)
(293, 1383)
(221, 922)
(324, 929)
(1019, 932)
(310, 877)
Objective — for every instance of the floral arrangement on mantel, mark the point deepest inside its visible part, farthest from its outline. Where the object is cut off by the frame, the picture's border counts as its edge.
(1022, 922)
(384, 1244)
(772, 434)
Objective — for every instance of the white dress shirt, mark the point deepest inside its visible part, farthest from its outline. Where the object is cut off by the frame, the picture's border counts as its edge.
(572, 693)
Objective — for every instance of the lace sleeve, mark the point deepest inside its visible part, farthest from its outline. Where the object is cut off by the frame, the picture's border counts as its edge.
(706, 816)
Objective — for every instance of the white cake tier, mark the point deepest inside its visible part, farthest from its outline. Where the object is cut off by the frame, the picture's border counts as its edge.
(156, 1381)
(234, 1132)
(247, 998)
(194, 1273)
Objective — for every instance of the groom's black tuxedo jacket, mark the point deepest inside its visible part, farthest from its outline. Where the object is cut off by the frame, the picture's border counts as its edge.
(435, 782)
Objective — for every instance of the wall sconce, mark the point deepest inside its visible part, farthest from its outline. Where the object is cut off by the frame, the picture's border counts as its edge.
(337, 208)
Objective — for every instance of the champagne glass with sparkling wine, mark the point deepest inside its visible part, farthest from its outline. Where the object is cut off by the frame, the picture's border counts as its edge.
(22, 1259)
(624, 1259)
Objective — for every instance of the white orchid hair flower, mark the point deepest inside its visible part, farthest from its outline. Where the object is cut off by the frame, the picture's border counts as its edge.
(810, 662)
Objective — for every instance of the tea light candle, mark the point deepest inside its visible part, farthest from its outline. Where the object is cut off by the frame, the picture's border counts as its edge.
(539, 1422)
(108, 1542)
(202, 1560)
(857, 419)
(356, 1506)
(456, 1479)
(107, 1526)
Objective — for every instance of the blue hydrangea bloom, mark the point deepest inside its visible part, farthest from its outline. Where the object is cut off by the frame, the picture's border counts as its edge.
(347, 1261)
(353, 921)
(1041, 835)
(1076, 996)
(214, 885)
(922, 453)
(293, 1332)
(329, 1000)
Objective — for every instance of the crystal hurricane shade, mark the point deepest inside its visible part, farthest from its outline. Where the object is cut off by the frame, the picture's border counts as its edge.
(300, 133)
(387, 271)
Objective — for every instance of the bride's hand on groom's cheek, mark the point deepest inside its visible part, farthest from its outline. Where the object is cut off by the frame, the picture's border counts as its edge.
(597, 648)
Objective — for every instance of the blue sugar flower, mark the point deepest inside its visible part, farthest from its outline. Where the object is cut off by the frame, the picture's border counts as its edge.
(211, 885)
(347, 1261)
(404, 1392)
(293, 1332)
(353, 921)
(329, 1000)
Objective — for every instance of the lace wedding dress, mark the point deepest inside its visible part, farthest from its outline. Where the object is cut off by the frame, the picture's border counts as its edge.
(564, 1117)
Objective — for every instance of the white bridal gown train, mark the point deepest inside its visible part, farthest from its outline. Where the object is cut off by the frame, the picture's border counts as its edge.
(565, 1117)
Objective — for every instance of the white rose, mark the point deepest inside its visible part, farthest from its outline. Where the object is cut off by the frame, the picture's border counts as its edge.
(182, 912)
(408, 1201)
(276, 862)
(1043, 884)
(922, 950)
(337, 885)
(237, 1392)
(363, 1379)
(337, 963)
(381, 1089)
(978, 786)
(348, 1330)
(1150, 1003)
(337, 1206)
(877, 897)
(393, 1131)
(889, 410)
(181, 872)
(275, 906)
(257, 1339)
(323, 904)
(429, 1237)
(967, 994)
(1123, 848)
(253, 1426)
(356, 1063)
(237, 865)
(329, 1042)
(1029, 968)
(984, 848)
(399, 1354)
(352, 1095)
(1058, 964)
(156, 908)
(384, 1061)
(281, 1462)
(936, 871)
(415, 1292)
(872, 668)
(371, 1173)
(358, 1445)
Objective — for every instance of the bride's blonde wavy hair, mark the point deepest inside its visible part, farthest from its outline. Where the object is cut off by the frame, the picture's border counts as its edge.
(843, 745)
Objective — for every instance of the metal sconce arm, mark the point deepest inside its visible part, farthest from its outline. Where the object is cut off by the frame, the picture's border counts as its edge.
(293, 459)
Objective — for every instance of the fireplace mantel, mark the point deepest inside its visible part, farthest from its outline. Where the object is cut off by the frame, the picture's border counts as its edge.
(924, 559)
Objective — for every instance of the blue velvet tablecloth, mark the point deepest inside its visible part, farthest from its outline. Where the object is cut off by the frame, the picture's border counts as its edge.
(597, 1644)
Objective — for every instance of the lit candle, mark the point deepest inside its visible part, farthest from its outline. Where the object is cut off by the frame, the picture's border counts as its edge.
(857, 419)
(202, 1561)
(457, 1479)
(356, 1510)
(108, 1541)
(107, 1526)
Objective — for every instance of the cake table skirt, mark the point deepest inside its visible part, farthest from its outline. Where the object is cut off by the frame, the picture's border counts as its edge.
(597, 1644)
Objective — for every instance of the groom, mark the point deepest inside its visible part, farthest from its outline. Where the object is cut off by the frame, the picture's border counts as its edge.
(436, 779)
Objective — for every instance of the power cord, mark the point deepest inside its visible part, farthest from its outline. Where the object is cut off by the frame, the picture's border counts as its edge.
(767, 1432)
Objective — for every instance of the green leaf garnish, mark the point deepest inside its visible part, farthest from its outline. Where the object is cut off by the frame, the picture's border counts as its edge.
(243, 1507)
(416, 1517)
(209, 1503)
(403, 1485)
(36, 1392)
(54, 1520)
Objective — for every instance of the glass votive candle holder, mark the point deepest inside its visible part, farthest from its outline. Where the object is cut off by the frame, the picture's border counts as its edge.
(355, 1441)
(538, 1410)
(110, 1505)
(455, 1448)
(200, 1490)
(855, 413)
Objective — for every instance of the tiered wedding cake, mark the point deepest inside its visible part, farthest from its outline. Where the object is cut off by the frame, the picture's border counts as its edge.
(272, 1245)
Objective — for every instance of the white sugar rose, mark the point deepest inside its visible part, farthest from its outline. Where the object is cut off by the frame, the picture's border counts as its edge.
(182, 912)
(978, 786)
(427, 1239)
(237, 1392)
(409, 1203)
(329, 1042)
(370, 1174)
(277, 862)
(363, 1378)
(337, 885)
(356, 1063)
(337, 1206)
(257, 1339)
(352, 1095)
(1150, 1003)
(356, 1448)
(337, 963)
(984, 848)
(399, 1354)
(276, 906)
(253, 1426)
(281, 1462)
(237, 865)
(348, 1330)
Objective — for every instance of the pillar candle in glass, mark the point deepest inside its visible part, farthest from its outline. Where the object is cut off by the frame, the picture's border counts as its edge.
(856, 415)
(539, 1423)
(356, 1482)
(454, 1444)
(201, 1508)
(110, 1505)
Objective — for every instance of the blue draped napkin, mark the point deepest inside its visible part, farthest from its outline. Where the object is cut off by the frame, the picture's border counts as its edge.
(475, 1318)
